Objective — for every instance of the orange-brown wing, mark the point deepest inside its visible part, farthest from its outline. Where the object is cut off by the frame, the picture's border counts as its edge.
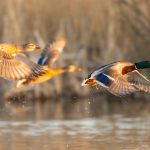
(16, 69)
(51, 52)
(121, 87)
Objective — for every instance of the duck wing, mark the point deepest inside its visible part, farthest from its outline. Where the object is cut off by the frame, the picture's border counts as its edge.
(139, 81)
(121, 87)
(129, 83)
(17, 67)
(51, 52)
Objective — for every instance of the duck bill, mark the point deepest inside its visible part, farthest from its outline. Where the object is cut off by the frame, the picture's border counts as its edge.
(90, 82)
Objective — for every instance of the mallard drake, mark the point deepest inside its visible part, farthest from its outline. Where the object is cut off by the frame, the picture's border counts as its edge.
(49, 55)
(14, 65)
(120, 78)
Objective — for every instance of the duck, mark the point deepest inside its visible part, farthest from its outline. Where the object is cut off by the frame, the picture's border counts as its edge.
(13, 63)
(120, 78)
(13, 49)
(49, 56)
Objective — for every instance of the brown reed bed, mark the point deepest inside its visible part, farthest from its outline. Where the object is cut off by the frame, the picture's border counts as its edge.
(97, 32)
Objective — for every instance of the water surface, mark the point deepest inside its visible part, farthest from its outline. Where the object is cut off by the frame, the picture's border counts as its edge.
(68, 127)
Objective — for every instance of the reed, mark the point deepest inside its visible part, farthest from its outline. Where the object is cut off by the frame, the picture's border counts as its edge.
(97, 32)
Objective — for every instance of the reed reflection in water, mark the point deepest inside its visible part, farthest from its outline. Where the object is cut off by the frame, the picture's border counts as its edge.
(79, 125)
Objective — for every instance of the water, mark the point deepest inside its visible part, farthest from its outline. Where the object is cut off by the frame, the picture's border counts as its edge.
(116, 133)
(72, 128)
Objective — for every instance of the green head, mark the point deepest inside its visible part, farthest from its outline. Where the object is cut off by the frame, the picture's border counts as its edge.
(142, 64)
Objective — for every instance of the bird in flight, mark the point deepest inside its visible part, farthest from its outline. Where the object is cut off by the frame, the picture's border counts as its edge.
(120, 78)
(13, 49)
(13, 65)
(48, 57)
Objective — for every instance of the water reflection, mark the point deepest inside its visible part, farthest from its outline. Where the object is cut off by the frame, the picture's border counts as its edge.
(116, 131)
(80, 125)
(84, 126)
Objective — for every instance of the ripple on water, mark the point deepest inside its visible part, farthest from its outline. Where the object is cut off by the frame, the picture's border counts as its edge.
(97, 127)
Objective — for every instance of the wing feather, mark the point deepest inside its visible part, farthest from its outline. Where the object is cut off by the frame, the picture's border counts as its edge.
(18, 67)
(139, 81)
(52, 51)
(129, 83)
(121, 87)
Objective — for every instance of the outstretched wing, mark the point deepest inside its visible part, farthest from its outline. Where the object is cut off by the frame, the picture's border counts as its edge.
(129, 83)
(139, 81)
(16, 68)
(51, 52)
(121, 87)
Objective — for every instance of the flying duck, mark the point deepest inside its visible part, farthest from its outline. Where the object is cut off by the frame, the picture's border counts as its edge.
(48, 57)
(120, 78)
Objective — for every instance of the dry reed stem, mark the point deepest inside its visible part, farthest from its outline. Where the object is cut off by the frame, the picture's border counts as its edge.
(100, 31)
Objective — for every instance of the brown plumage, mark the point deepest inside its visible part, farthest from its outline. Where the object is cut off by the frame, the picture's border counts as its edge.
(49, 55)
(13, 65)
(119, 78)
(13, 49)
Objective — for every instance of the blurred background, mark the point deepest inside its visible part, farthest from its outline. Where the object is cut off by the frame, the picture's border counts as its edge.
(60, 114)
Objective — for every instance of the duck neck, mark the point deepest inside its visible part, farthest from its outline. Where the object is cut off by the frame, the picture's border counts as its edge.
(142, 64)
